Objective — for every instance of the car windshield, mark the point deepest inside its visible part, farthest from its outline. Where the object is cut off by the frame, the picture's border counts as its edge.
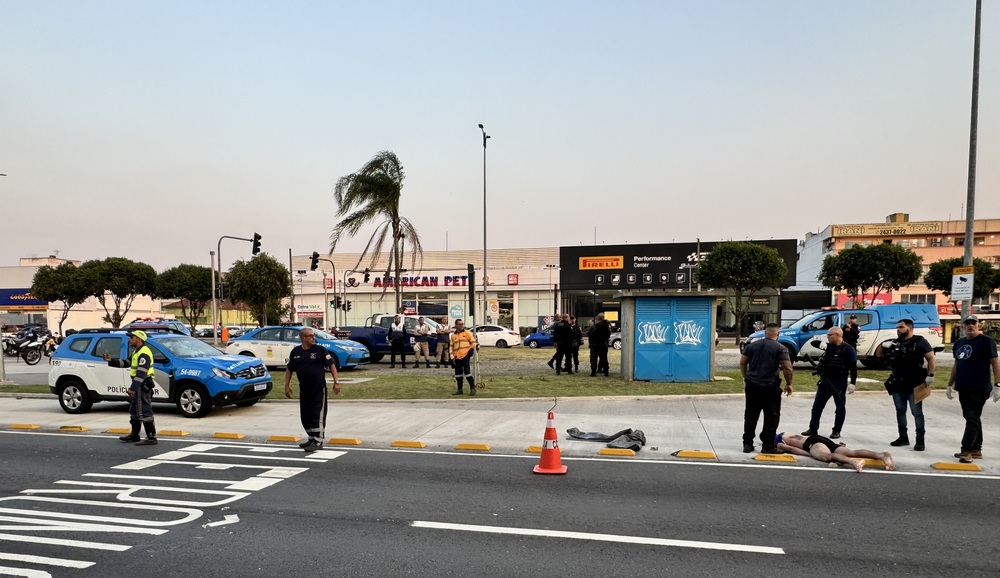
(183, 346)
(802, 321)
(320, 334)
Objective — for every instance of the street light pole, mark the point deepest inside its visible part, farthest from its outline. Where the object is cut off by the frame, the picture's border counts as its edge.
(215, 332)
(486, 303)
(970, 201)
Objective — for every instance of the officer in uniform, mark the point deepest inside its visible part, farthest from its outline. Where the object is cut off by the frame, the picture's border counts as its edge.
(140, 391)
(839, 362)
(310, 362)
(463, 346)
(905, 355)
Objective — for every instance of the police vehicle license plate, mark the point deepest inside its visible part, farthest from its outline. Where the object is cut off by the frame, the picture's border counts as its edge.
(260, 386)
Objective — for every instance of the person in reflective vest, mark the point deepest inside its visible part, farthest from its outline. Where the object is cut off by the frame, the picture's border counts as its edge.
(140, 391)
(463, 345)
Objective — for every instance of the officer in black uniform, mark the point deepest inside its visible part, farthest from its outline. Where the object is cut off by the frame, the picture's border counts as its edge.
(906, 355)
(839, 362)
(310, 363)
(562, 335)
(852, 332)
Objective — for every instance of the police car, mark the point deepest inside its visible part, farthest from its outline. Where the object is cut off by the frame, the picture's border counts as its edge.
(189, 373)
(274, 344)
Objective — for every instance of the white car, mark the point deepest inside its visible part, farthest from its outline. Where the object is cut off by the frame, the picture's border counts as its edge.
(497, 336)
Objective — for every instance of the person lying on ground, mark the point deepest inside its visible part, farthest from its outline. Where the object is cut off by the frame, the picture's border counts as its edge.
(826, 450)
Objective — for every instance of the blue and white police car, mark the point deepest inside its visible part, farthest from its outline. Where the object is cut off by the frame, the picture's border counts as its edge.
(273, 344)
(188, 372)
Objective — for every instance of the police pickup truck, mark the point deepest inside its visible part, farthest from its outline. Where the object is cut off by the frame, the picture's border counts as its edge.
(877, 323)
(375, 334)
(188, 372)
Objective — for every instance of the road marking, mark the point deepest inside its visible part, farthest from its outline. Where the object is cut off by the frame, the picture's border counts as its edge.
(23, 572)
(65, 542)
(230, 519)
(62, 562)
(598, 537)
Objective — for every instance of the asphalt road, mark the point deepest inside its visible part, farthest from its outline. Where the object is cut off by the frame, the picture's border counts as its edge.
(229, 509)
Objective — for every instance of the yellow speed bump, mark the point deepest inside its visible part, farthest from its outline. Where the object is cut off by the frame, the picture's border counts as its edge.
(289, 439)
(25, 426)
(73, 428)
(408, 444)
(118, 430)
(473, 447)
(615, 452)
(228, 435)
(537, 450)
(699, 454)
(172, 432)
(775, 458)
(956, 467)
(344, 441)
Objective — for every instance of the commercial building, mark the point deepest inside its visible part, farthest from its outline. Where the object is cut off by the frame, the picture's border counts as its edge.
(931, 240)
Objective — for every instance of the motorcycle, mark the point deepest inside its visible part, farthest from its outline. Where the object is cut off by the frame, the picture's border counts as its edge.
(30, 346)
(12, 344)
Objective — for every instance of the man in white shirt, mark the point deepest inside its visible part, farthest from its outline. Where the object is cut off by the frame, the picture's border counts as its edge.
(421, 336)
(443, 342)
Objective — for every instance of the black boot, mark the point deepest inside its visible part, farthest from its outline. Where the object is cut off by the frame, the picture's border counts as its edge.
(458, 380)
(903, 440)
(919, 446)
(428, 365)
(134, 436)
(150, 440)
(472, 387)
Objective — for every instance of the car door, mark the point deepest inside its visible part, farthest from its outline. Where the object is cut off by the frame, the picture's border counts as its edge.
(487, 335)
(289, 339)
(816, 329)
(163, 369)
(269, 345)
(101, 377)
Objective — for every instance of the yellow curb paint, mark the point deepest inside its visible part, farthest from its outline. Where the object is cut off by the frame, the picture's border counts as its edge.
(118, 430)
(172, 432)
(775, 458)
(408, 444)
(615, 452)
(956, 466)
(700, 454)
(872, 462)
(228, 435)
(290, 439)
(24, 426)
(344, 441)
(537, 450)
(73, 428)
(473, 447)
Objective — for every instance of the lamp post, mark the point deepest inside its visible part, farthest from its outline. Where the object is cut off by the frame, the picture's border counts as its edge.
(555, 303)
(486, 303)
(970, 199)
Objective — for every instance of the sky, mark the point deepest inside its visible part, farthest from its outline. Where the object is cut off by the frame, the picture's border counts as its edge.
(148, 130)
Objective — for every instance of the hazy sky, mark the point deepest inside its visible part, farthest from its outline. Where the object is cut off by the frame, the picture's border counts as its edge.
(149, 129)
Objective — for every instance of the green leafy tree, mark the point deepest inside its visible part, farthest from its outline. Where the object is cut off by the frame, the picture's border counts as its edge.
(744, 268)
(260, 283)
(62, 283)
(116, 282)
(870, 270)
(192, 285)
(372, 195)
(986, 278)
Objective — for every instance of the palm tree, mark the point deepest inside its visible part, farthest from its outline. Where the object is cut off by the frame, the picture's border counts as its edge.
(372, 194)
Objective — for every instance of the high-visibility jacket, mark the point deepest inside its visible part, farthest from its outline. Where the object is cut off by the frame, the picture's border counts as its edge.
(140, 365)
(462, 344)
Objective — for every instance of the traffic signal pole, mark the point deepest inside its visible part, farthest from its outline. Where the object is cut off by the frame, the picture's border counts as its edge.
(218, 251)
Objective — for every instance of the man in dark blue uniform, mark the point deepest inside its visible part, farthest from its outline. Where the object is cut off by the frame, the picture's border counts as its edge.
(762, 364)
(974, 355)
(310, 363)
(839, 362)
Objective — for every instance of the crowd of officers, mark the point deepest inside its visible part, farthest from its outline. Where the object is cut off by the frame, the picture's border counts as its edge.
(910, 358)
(568, 338)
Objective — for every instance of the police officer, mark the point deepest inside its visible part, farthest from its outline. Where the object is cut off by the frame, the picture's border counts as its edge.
(762, 364)
(975, 354)
(597, 338)
(140, 391)
(463, 346)
(562, 335)
(310, 362)
(852, 332)
(398, 338)
(906, 355)
(839, 362)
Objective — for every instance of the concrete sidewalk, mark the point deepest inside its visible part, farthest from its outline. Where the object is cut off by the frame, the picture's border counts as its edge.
(509, 426)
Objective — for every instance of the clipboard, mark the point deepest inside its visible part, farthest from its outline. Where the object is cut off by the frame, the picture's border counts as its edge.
(921, 392)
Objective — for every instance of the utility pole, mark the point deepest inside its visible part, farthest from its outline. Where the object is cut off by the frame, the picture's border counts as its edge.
(970, 205)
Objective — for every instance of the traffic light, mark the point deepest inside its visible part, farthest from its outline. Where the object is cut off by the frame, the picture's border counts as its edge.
(348, 306)
(367, 275)
(314, 263)
(337, 302)
(256, 243)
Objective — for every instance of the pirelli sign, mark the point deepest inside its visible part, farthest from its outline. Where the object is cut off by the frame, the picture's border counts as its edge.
(597, 263)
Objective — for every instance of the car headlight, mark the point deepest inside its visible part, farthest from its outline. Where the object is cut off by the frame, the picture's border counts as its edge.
(223, 373)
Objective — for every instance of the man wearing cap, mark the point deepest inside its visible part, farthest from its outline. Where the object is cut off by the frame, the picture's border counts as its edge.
(852, 331)
(975, 354)
(140, 391)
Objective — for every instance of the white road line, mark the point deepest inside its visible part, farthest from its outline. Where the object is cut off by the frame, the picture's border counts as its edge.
(64, 542)
(230, 519)
(598, 537)
(61, 562)
(23, 572)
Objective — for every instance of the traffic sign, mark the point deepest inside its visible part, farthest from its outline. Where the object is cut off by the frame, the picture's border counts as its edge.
(456, 312)
(961, 283)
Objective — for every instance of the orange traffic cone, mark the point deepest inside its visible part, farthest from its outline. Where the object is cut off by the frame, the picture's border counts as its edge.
(550, 462)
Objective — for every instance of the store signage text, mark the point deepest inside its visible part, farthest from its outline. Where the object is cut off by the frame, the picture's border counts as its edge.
(591, 263)
(433, 281)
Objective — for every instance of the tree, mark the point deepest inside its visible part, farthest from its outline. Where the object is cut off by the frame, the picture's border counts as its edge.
(61, 283)
(373, 194)
(192, 285)
(867, 271)
(743, 268)
(986, 278)
(119, 279)
(260, 283)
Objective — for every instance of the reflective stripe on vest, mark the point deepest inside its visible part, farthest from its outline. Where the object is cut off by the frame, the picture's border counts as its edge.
(135, 361)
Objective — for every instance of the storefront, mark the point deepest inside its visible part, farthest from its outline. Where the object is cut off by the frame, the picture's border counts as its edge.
(18, 307)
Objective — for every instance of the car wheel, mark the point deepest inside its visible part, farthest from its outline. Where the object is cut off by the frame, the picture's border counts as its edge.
(247, 403)
(616, 344)
(193, 400)
(502, 344)
(73, 397)
(32, 356)
(533, 344)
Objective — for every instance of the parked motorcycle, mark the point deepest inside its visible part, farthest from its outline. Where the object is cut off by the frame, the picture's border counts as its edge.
(12, 344)
(29, 346)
